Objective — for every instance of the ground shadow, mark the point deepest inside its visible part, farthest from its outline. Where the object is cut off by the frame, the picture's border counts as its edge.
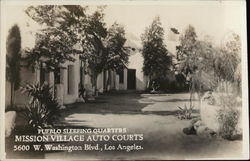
(109, 103)
(173, 100)
(119, 103)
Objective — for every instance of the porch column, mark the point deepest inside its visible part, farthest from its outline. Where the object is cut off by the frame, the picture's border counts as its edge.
(125, 79)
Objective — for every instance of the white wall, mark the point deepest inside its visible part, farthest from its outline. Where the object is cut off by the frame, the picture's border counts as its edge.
(100, 82)
(26, 76)
(112, 80)
(116, 81)
(123, 86)
(7, 93)
(136, 62)
(75, 80)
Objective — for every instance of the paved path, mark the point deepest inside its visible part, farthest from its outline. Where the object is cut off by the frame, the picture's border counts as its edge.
(150, 115)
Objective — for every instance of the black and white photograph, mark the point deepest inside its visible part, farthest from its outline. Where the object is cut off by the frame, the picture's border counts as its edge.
(124, 80)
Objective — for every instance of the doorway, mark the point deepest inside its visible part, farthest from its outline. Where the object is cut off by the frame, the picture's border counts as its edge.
(131, 80)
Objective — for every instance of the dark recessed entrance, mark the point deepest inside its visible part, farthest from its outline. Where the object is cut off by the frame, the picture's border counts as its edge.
(131, 79)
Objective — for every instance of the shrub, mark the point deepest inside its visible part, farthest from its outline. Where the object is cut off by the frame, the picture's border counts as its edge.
(37, 115)
(229, 100)
(228, 117)
(167, 85)
(43, 108)
(185, 113)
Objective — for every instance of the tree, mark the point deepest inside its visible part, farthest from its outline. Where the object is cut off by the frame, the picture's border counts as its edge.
(13, 60)
(156, 58)
(93, 44)
(104, 49)
(52, 48)
(186, 55)
(116, 52)
(227, 62)
(228, 59)
(69, 31)
(55, 43)
(196, 62)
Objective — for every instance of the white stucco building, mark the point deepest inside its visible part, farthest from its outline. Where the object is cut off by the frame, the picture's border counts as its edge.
(66, 80)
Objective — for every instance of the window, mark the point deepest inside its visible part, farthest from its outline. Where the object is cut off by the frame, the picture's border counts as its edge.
(57, 76)
(121, 77)
(70, 79)
(42, 75)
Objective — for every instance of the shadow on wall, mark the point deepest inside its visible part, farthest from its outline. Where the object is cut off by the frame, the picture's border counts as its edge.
(140, 85)
(21, 99)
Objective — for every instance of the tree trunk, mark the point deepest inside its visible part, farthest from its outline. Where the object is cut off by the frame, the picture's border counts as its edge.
(108, 80)
(105, 82)
(81, 74)
(94, 83)
(149, 81)
(191, 93)
(12, 94)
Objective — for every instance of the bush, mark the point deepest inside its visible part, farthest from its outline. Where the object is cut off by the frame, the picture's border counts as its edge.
(166, 85)
(185, 112)
(37, 115)
(43, 109)
(228, 117)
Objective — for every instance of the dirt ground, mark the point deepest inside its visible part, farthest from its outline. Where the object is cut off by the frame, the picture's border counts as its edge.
(154, 116)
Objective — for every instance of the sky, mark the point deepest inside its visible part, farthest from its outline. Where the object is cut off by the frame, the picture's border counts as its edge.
(215, 19)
